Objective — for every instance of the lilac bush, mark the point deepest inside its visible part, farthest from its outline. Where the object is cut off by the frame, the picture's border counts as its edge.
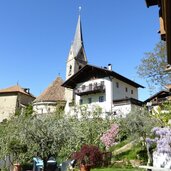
(162, 139)
(108, 138)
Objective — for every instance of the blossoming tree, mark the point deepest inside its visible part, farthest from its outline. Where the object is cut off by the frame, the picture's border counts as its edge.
(109, 138)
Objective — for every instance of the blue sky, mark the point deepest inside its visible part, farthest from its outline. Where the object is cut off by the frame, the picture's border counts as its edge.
(35, 38)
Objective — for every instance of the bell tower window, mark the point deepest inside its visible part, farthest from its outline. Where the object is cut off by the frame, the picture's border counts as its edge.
(70, 70)
(80, 67)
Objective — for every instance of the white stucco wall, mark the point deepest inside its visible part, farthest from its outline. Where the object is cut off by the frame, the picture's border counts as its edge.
(120, 92)
(121, 110)
(44, 107)
(7, 106)
(111, 92)
(106, 104)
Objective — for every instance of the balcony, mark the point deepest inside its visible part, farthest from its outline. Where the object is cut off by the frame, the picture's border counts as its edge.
(159, 101)
(90, 89)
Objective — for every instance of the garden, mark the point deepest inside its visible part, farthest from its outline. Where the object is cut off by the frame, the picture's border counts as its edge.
(107, 144)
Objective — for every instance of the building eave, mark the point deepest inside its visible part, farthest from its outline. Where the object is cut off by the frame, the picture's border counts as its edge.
(128, 101)
(165, 17)
(16, 93)
(156, 95)
(151, 3)
(89, 71)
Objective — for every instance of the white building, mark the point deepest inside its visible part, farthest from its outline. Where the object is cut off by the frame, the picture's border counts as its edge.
(95, 86)
(89, 85)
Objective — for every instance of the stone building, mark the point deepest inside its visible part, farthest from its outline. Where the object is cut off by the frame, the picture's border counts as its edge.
(13, 99)
(50, 98)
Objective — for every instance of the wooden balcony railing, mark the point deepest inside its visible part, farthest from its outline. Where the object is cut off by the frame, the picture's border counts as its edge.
(91, 89)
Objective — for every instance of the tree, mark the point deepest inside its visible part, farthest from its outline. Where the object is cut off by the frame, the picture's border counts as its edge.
(138, 124)
(109, 137)
(152, 67)
(34, 134)
(88, 127)
(26, 134)
(163, 113)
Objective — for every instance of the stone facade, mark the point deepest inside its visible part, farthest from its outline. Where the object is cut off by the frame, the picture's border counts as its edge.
(13, 99)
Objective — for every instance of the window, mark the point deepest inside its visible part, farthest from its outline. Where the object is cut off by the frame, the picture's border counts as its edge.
(117, 84)
(126, 89)
(132, 92)
(70, 70)
(49, 109)
(83, 87)
(80, 67)
(89, 100)
(102, 82)
(81, 101)
(90, 86)
(95, 86)
(101, 99)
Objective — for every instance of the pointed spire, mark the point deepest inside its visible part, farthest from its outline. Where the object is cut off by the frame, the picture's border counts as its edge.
(78, 39)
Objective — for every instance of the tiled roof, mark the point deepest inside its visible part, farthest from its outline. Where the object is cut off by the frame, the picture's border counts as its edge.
(53, 93)
(15, 89)
(162, 93)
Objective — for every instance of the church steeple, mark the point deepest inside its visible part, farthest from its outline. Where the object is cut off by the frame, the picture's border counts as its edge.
(76, 60)
(77, 57)
(78, 38)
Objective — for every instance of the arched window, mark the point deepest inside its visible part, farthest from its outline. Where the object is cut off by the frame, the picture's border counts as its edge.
(70, 70)
(80, 67)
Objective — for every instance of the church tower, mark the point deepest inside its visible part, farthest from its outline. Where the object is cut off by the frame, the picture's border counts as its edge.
(76, 59)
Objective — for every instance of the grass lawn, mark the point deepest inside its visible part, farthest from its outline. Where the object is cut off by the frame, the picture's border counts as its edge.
(116, 169)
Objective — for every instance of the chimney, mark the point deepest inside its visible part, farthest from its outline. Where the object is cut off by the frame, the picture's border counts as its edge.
(110, 67)
(27, 90)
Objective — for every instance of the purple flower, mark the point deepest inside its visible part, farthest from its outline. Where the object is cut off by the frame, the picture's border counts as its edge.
(163, 139)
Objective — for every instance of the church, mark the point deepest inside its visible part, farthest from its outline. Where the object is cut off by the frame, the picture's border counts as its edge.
(88, 85)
